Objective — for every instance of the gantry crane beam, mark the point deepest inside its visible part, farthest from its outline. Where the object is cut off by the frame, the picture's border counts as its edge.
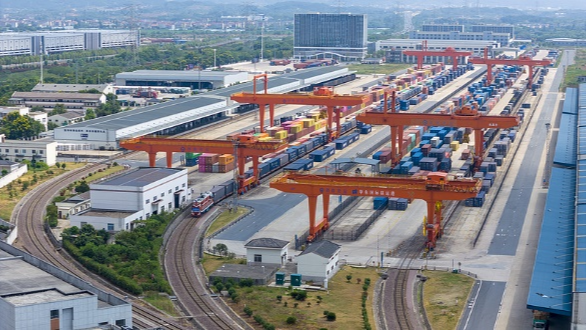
(244, 146)
(448, 52)
(433, 189)
(321, 96)
(467, 116)
(522, 60)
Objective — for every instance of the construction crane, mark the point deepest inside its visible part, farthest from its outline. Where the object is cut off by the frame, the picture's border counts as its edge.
(323, 96)
(522, 60)
(467, 116)
(448, 52)
(433, 188)
(242, 146)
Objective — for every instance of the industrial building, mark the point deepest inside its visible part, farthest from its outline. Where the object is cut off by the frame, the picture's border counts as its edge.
(339, 36)
(510, 29)
(38, 150)
(502, 38)
(567, 42)
(442, 27)
(48, 42)
(72, 88)
(175, 78)
(71, 101)
(394, 48)
(558, 283)
(37, 295)
(183, 114)
(134, 195)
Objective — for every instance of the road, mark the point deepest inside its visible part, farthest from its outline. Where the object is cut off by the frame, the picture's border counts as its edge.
(483, 306)
(507, 235)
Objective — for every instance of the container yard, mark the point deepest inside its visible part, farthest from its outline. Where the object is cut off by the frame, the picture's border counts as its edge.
(422, 168)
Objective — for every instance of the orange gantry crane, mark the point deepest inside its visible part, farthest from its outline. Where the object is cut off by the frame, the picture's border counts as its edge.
(433, 189)
(322, 96)
(242, 146)
(448, 52)
(522, 60)
(467, 116)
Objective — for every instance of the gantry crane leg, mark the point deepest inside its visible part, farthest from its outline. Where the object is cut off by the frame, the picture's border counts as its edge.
(478, 148)
(152, 158)
(261, 111)
(272, 114)
(433, 227)
(169, 159)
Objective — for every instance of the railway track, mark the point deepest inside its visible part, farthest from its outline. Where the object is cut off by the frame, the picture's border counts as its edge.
(182, 275)
(29, 216)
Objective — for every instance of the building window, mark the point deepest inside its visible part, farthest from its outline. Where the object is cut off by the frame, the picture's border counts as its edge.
(162, 194)
(176, 188)
(41, 152)
(54, 314)
(183, 199)
(258, 258)
(110, 226)
(170, 191)
(162, 208)
(148, 215)
(182, 185)
(328, 272)
(170, 206)
(83, 223)
(147, 201)
(34, 151)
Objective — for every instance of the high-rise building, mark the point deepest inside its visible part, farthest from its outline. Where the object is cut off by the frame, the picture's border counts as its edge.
(339, 36)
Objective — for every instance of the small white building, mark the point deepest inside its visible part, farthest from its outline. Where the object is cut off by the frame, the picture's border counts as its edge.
(73, 205)
(37, 295)
(41, 117)
(319, 261)
(40, 150)
(267, 251)
(134, 195)
(64, 119)
(73, 88)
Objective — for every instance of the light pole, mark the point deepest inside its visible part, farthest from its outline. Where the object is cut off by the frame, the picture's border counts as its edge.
(214, 57)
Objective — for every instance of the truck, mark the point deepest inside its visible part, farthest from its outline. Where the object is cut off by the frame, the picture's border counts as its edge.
(202, 204)
(280, 62)
(540, 320)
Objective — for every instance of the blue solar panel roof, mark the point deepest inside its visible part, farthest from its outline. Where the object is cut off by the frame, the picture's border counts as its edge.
(551, 288)
(565, 149)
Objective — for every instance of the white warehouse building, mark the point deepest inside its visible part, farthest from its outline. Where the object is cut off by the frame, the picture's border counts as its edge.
(39, 150)
(183, 114)
(319, 261)
(134, 195)
(181, 78)
(37, 295)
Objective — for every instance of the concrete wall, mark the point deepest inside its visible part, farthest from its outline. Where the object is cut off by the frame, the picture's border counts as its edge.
(12, 176)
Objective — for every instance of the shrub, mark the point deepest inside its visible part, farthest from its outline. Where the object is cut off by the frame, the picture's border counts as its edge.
(295, 305)
(291, 320)
(248, 311)
(258, 319)
(279, 298)
(219, 286)
(348, 277)
(331, 316)
(326, 313)
(247, 282)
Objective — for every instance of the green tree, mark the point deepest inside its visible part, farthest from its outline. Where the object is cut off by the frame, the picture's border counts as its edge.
(16, 126)
(4, 172)
(90, 114)
(51, 126)
(58, 109)
(82, 187)
(291, 320)
(63, 165)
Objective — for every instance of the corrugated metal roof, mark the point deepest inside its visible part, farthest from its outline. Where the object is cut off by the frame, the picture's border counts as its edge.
(140, 177)
(176, 75)
(274, 82)
(565, 149)
(141, 115)
(364, 161)
(571, 102)
(551, 288)
(322, 248)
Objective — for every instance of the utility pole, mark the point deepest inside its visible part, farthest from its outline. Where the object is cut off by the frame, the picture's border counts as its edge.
(214, 57)
(262, 42)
